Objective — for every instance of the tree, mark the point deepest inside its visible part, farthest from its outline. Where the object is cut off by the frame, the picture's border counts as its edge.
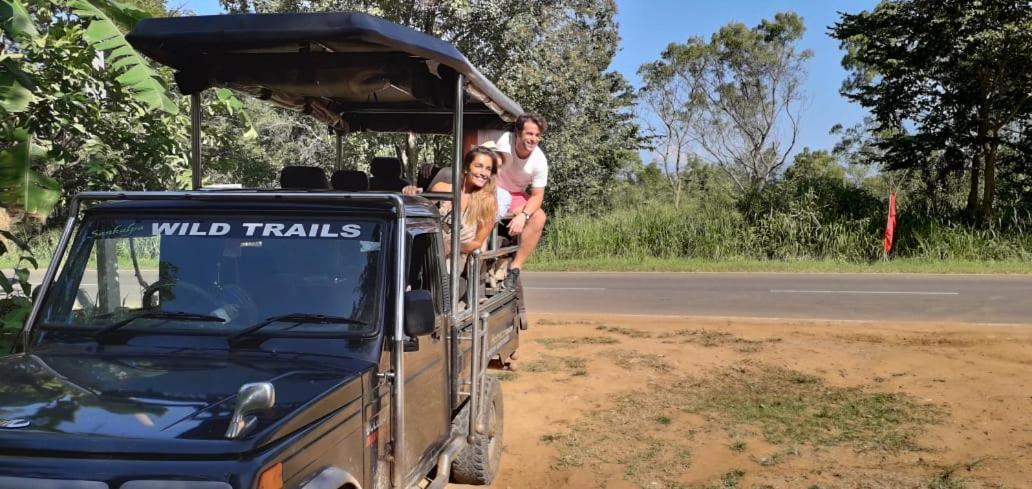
(947, 83)
(672, 101)
(815, 165)
(745, 96)
(754, 89)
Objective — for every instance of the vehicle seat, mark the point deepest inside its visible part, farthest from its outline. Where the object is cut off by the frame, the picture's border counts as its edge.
(350, 180)
(303, 178)
(424, 182)
(386, 174)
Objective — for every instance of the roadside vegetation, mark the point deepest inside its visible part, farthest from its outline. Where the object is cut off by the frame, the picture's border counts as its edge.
(816, 217)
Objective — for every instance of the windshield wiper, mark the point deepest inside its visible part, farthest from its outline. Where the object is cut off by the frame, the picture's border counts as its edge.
(297, 319)
(184, 316)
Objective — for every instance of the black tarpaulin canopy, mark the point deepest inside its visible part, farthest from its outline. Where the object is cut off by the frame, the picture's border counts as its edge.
(352, 71)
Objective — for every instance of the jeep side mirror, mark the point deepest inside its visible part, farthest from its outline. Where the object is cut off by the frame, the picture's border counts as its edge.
(251, 398)
(419, 313)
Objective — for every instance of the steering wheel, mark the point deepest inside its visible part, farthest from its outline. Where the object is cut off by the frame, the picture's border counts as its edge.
(247, 308)
(148, 293)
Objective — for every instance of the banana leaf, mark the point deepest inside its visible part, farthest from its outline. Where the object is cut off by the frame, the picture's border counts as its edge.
(124, 15)
(104, 35)
(13, 313)
(14, 97)
(16, 22)
(21, 188)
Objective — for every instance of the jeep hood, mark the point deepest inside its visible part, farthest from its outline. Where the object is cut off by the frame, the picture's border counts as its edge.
(160, 403)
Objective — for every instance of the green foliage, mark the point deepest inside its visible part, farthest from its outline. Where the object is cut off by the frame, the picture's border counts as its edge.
(104, 35)
(22, 189)
(812, 214)
(14, 97)
(948, 86)
(15, 290)
(93, 99)
(15, 20)
(13, 313)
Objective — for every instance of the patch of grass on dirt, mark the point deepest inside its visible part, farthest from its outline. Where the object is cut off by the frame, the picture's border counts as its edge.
(795, 408)
(628, 433)
(565, 342)
(776, 457)
(575, 366)
(710, 338)
(729, 480)
(629, 332)
(737, 443)
(506, 376)
(630, 359)
(555, 322)
(948, 479)
(649, 432)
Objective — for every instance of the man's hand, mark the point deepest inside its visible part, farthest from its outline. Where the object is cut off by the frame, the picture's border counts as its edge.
(411, 190)
(516, 224)
(426, 170)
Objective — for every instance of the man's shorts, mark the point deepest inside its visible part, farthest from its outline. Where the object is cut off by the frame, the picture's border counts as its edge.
(519, 200)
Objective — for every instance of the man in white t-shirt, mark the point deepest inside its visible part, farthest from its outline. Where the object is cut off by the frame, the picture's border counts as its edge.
(524, 175)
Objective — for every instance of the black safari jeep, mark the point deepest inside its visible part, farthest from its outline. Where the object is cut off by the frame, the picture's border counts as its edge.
(262, 339)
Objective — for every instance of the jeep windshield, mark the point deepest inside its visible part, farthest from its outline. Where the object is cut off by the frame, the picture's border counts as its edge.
(219, 275)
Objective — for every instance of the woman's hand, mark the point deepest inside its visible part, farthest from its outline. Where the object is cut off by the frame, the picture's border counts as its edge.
(411, 190)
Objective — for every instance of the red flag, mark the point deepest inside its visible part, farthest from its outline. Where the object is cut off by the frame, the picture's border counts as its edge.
(890, 226)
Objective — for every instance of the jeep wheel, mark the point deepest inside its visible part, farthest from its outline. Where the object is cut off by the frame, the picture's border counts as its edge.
(478, 463)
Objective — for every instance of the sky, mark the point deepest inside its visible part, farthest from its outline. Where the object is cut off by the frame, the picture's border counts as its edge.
(647, 26)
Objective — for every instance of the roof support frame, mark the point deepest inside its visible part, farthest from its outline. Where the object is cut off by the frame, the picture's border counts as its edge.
(195, 140)
(460, 83)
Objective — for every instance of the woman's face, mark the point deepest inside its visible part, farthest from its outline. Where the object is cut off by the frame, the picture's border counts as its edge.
(479, 171)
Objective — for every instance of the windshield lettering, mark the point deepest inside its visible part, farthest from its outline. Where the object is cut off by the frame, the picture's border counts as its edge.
(245, 229)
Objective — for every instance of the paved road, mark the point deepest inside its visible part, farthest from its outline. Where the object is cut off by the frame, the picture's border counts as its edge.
(952, 298)
(948, 298)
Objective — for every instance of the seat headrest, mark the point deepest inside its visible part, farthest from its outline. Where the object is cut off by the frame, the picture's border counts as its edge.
(303, 177)
(350, 180)
(385, 167)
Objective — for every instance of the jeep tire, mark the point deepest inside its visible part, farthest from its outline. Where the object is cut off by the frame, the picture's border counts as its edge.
(478, 463)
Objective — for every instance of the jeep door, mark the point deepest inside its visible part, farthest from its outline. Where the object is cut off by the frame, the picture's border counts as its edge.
(426, 405)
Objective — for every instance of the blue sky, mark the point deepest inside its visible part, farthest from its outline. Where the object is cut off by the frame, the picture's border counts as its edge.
(647, 26)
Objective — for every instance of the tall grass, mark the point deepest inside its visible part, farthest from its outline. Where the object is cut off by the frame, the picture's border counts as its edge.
(796, 232)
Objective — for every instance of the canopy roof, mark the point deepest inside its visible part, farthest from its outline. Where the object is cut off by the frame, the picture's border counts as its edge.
(351, 71)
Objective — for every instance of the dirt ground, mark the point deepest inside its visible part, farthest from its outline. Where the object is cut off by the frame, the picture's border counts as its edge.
(659, 402)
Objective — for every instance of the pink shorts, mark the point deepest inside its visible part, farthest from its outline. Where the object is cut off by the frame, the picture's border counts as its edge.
(519, 200)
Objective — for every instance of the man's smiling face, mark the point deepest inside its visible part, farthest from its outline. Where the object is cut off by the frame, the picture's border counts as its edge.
(527, 139)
